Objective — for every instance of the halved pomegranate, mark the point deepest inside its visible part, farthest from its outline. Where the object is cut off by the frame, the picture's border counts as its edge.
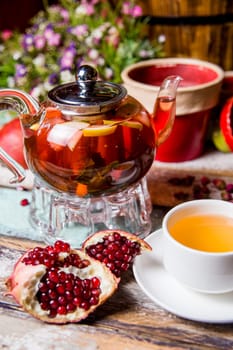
(59, 285)
(115, 248)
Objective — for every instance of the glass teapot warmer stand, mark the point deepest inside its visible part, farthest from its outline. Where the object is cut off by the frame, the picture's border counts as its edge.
(73, 219)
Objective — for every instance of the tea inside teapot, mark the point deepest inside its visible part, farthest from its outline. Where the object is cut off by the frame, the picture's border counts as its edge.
(91, 155)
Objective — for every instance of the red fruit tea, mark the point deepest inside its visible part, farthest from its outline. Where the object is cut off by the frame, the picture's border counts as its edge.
(91, 156)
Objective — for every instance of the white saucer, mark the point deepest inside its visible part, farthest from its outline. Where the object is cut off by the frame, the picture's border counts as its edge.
(171, 295)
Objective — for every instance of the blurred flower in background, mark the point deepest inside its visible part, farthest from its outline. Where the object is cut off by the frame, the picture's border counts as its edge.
(107, 35)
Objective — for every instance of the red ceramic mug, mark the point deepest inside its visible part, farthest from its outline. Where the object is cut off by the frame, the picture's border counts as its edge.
(198, 93)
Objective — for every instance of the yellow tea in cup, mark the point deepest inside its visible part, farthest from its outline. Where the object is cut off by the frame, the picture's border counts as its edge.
(210, 233)
(205, 226)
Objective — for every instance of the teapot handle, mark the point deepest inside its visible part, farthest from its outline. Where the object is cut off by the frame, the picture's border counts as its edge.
(16, 168)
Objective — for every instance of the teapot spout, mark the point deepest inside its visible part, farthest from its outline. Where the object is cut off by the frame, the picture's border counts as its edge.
(165, 108)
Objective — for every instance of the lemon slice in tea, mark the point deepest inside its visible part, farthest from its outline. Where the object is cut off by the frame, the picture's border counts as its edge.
(99, 130)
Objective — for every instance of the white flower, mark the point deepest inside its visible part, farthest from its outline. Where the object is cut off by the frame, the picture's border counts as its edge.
(100, 61)
(108, 72)
(47, 85)
(11, 82)
(80, 10)
(66, 76)
(17, 55)
(38, 91)
(39, 60)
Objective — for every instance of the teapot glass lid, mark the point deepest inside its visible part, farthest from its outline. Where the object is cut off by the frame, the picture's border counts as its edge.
(88, 95)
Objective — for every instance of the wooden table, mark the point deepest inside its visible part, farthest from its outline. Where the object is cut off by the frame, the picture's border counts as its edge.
(129, 320)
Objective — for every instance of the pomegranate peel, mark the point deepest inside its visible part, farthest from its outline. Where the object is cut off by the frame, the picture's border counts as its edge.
(11, 140)
(115, 248)
(66, 287)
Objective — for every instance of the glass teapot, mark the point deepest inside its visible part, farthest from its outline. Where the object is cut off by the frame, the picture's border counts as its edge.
(89, 139)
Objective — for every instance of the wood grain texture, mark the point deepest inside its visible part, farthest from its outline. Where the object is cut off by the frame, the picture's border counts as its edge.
(127, 321)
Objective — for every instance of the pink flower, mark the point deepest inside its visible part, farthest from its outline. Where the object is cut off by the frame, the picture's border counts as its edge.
(6, 34)
(65, 14)
(67, 59)
(128, 9)
(113, 37)
(52, 38)
(136, 11)
(80, 30)
(89, 9)
(39, 41)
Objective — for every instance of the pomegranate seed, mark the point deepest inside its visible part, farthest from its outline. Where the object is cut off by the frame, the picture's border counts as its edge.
(36, 249)
(86, 283)
(125, 249)
(24, 202)
(111, 256)
(105, 252)
(43, 287)
(95, 282)
(110, 265)
(53, 304)
(99, 247)
(86, 294)
(70, 276)
(49, 249)
(50, 284)
(127, 258)
(52, 294)
(52, 313)
(77, 301)
(93, 251)
(61, 310)
(60, 289)
(77, 291)
(69, 295)
(62, 276)
(96, 292)
(62, 300)
(124, 266)
(53, 276)
(44, 297)
(118, 255)
(98, 256)
(44, 306)
(69, 285)
(61, 246)
(85, 305)
(94, 300)
(70, 307)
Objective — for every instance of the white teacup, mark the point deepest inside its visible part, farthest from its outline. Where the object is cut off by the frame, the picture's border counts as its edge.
(195, 255)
